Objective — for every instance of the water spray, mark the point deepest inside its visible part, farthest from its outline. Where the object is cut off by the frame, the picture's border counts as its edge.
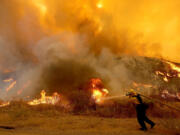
(113, 97)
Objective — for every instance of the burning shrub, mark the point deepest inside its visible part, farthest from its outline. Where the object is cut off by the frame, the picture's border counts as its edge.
(70, 78)
(46, 99)
(73, 80)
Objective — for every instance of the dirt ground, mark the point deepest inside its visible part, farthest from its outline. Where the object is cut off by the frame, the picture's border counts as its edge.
(67, 124)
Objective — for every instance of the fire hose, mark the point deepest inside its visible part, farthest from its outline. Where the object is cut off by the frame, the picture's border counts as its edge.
(150, 98)
(155, 100)
(160, 102)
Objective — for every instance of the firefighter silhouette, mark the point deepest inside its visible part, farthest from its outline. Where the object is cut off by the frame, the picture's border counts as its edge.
(141, 112)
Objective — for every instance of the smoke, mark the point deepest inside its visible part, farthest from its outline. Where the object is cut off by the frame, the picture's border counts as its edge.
(65, 68)
(46, 44)
(146, 28)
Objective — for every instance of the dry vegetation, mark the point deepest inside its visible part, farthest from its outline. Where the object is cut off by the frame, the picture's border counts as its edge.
(110, 119)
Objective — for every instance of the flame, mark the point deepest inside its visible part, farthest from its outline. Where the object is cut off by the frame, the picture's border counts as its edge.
(105, 91)
(97, 95)
(11, 86)
(174, 67)
(5, 104)
(159, 73)
(165, 79)
(46, 99)
(165, 75)
(95, 82)
(42, 7)
(99, 5)
(98, 92)
(8, 80)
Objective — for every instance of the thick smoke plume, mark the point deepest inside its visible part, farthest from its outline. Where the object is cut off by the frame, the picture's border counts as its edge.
(61, 44)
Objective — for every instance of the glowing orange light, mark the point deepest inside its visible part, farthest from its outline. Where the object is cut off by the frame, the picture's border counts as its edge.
(8, 80)
(97, 95)
(46, 99)
(5, 104)
(98, 92)
(42, 7)
(99, 4)
(11, 86)
(165, 79)
(175, 68)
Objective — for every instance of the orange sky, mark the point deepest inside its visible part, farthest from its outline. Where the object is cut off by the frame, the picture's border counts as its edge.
(133, 27)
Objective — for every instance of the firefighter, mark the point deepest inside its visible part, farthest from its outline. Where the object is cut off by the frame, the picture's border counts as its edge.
(141, 111)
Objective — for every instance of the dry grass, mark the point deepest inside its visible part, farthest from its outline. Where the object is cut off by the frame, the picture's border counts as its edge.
(126, 109)
(172, 124)
(48, 120)
(110, 119)
(116, 109)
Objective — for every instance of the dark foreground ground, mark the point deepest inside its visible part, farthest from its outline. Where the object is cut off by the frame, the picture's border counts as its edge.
(66, 124)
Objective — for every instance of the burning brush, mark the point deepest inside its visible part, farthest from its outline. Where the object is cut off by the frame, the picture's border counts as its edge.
(46, 99)
(98, 90)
